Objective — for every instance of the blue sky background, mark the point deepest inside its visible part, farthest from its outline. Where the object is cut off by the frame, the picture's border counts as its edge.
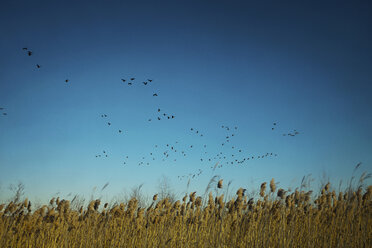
(305, 65)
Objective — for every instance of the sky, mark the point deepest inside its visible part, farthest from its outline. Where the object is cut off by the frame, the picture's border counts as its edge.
(303, 65)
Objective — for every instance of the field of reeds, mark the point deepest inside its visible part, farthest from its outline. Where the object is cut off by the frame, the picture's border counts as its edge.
(275, 218)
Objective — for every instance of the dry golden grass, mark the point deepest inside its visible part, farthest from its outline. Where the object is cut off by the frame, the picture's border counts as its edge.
(276, 219)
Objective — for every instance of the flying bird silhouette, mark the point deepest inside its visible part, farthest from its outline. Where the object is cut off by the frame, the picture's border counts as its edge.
(145, 83)
(155, 94)
(132, 79)
(29, 53)
(66, 80)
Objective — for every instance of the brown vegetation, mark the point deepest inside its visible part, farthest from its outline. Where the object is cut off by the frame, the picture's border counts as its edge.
(275, 219)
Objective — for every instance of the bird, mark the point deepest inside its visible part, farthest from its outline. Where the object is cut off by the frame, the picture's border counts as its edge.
(172, 116)
(108, 123)
(150, 80)
(132, 79)
(158, 109)
(149, 119)
(29, 53)
(155, 94)
(145, 83)
(129, 83)
(119, 131)
(1, 108)
(66, 80)
(123, 80)
(5, 114)
(159, 118)
(25, 48)
(38, 66)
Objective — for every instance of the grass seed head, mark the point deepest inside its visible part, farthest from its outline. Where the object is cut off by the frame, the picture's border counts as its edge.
(263, 189)
(219, 185)
(272, 185)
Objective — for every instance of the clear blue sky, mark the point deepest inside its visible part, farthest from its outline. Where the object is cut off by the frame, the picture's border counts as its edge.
(304, 65)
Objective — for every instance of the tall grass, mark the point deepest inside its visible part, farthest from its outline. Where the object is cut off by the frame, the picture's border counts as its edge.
(276, 218)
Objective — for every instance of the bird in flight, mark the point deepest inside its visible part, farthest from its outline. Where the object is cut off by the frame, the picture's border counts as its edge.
(145, 83)
(132, 79)
(119, 131)
(29, 53)
(150, 80)
(123, 80)
(38, 66)
(129, 83)
(155, 94)
(25, 48)
(66, 80)
(109, 123)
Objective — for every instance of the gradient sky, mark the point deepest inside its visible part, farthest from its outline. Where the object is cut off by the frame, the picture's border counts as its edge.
(306, 65)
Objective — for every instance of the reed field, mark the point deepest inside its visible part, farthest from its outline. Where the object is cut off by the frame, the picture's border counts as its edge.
(275, 218)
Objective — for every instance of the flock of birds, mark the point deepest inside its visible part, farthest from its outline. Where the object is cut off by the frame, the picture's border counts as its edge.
(38, 66)
(131, 81)
(228, 154)
(2, 111)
